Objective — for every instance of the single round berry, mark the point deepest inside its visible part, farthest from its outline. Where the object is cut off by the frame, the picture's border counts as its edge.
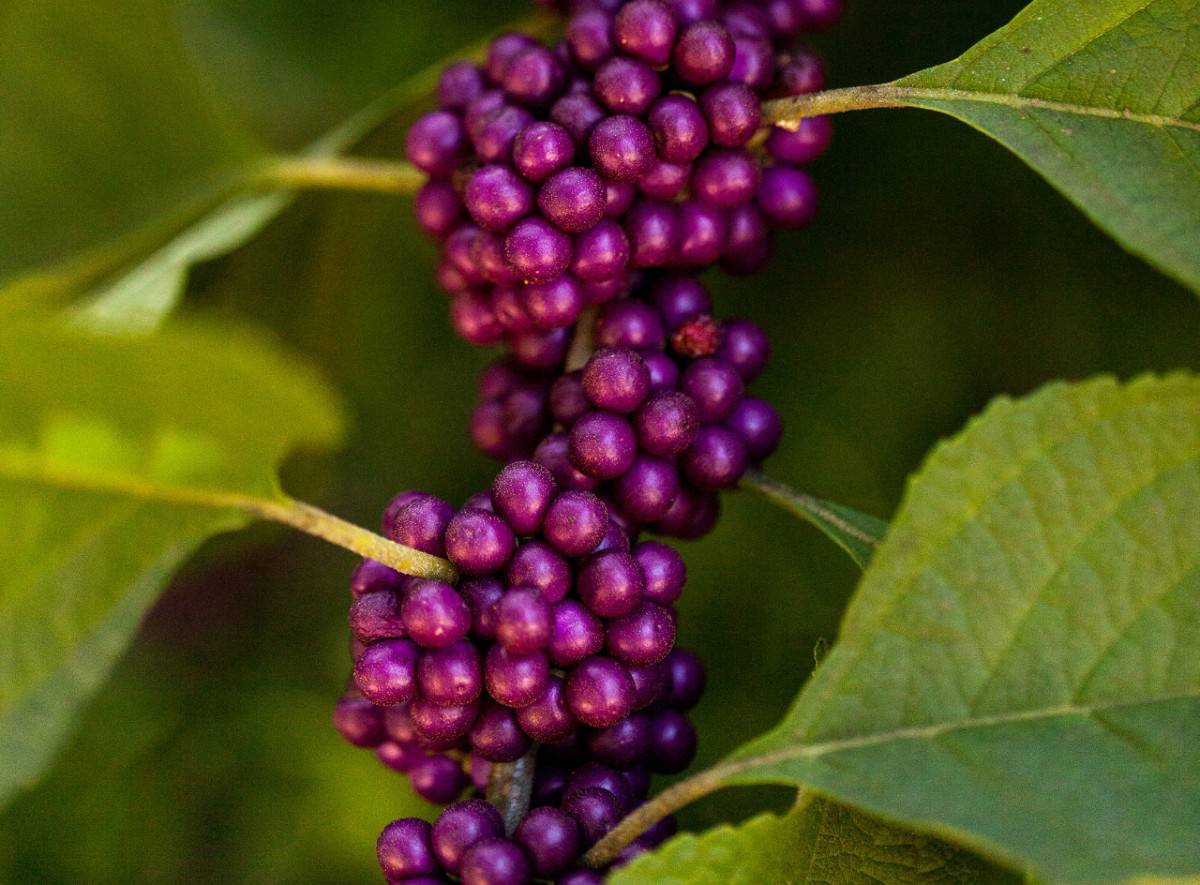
(702, 233)
(436, 144)
(567, 400)
(540, 349)
(550, 838)
(704, 53)
(577, 113)
(515, 680)
(663, 571)
(374, 616)
(664, 373)
(434, 614)
(360, 722)
(748, 242)
(404, 849)
(753, 62)
(801, 74)
(576, 634)
(679, 128)
(371, 576)
(653, 230)
(602, 252)
(643, 637)
(594, 774)
(649, 684)
(679, 298)
(725, 178)
(621, 147)
(459, 827)
(716, 460)
(553, 453)
(536, 564)
(787, 196)
(664, 181)
(619, 197)
(497, 131)
(625, 744)
(672, 742)
(746, 348)
(541, 149)
(438, 779)
(496, 736)
(521, 494)
(573, 199)
(759, 426)
(438, 208)
(646, 491)
(667, 423)
(386, 672)
(459, 85)
(481, 595)
(451, 676)
(534, 76)
(548, 719)
(441, 727)
(399, 757)
(602, 446)
(714, 386)
(627, 86)
(523, 621)
(420, 523)
(610, 584)
(537, 251)
(479, 542)
(685, 679)
(646, 29)
(589, 37)
(595, 810)
(600, 692)
(497, 198)
(809, 140)
(616, 380)
(474, 320)
(733, 113)
(495, 861)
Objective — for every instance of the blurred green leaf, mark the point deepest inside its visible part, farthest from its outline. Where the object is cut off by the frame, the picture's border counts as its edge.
(817, 842)
(1020, 667)
(1102, 97)
(856, 533)
(117, 458)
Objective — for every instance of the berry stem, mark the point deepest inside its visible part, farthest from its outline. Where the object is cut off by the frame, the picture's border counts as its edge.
(341, 173)
(787, 112)
(510, 787)
(582, 344)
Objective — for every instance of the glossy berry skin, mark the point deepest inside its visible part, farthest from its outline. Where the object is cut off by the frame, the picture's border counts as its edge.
(459, 85)
(600, 692)
(589, 37)
(495, 861)
(578, 114)
(360, 722)
(441, 727)
(663, 570)
(438, 208)
(621, 147)
(515, 680)
(595, 810)
(534, 77)
(610, 584)
(371, 576)
(496, 736)
(594, 774)
(502, 50)
(459, 827)
(714, 386)
(624, 744)
(573, 199)
(672, 742)
(716, 460)
(481, 595)
(550, 838)
(667, 423)
(704, 53)
(523, 621)
(451, 676)
(497, 198)
(438, 779)
(759, 426)
(733, 113)
(602, 446)
(665, 181)
(541, 149)
(686, 679)
(522, 493)
(553, 454)
(653, 230)
(627, 86)
(434, 614)
(647, 489)
(537, 251)
(679, 298)
(436, 144)
(643, 637)
(616, 380)
(629, 324)
(649, 684)
(576, 634)
(745, 347)
(479, 542)
(420, 523)
(404, 849)
(787, 196)
(679, 127)
(601, 253)
(725, 178)
(664, 373)
(537, 565)
(646, 29)
(576, 522)
(386, 673)
(548, 719)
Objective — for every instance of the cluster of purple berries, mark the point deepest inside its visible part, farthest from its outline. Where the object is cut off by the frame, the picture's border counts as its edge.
(604, 173)
(562, 177)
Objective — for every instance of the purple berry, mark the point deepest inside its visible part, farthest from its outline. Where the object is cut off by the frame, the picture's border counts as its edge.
(497, 737)
(498, 198)
(725, 178)
(809, 140)
(679, 298)
(502, 50)
(437, 144)
(459, 827)
(371, 576)
(441, 727)
(702, 233)
(643, 637)
(438, 208)
(667, 423)
(600, 692)
(619, 197)
(624, 744)
(386, 673)
(474, 320)
(542, 149)
(494, 138)
(523, 621)
(479, 542)
(664, 373)
(548, 719)
(759, 426)
(515, 680)
(663, 570)
(521, 494)
(787, 196)
(679, 128)
(649, 684)
(746, 348)
(664, 181)
(404, 849)
(591, 775)
(534, 77)
(494, 861)
(686, 679)
(733, 113)
(573, 199)
(438, 779)
(550, 838)
(554, 453)
(653, 230)
(537, 565)
(360, 722)
(753, 62)
(459, 85)
(627, 86)
(481, 595)
(589, 37)
(716, 460)
(541, 348)
(420, 523)
(616, 380)
(704, 53)
(434, 614)
(672, 742)
(451, 676)
(602, 446)
(595, 809)
(689, 12)
(630, 324)
(537, 250)
(621, 148)
(399, 757)
(693, 514)
(567, 400)
(602, 252)
(802, 74)
(576, 634)
(646, 491)
(646, 29)
(577, 113)
(556, 304)
(714, 386)
(375, 616)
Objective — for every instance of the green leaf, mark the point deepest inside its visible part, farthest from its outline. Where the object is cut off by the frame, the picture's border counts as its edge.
(1019, 670)
(117, 459)
(817, 842)
(1102, 97)
(856, 533)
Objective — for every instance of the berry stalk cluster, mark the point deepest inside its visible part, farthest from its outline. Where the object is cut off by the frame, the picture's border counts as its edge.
(577, 192)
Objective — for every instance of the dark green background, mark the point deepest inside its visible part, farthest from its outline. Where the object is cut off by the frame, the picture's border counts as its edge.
(940, 274)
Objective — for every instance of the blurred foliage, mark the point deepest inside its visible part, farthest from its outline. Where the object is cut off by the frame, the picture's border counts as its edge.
(940, 273)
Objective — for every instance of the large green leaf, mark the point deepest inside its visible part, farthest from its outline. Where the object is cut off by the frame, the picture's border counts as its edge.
(817, 842)
(117, 458)
(1102, 97)
(1020, 668)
